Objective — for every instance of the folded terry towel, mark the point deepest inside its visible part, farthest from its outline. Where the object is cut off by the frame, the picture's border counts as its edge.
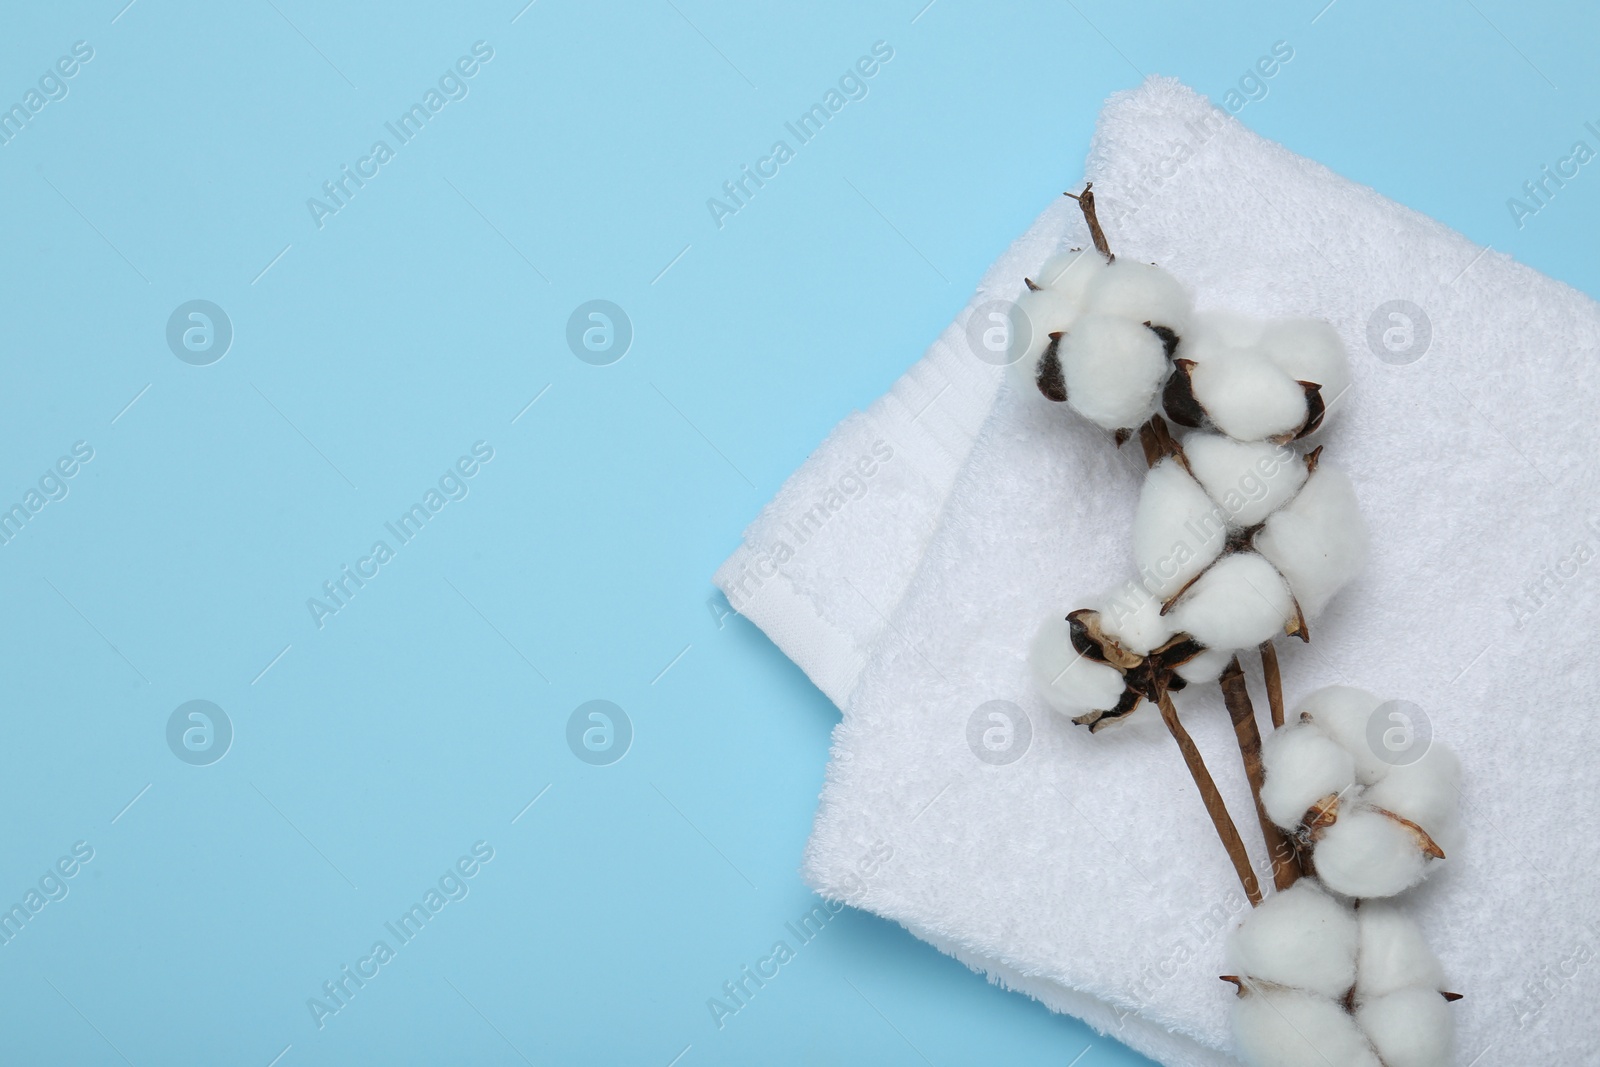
(1086, 872)
(827, 561)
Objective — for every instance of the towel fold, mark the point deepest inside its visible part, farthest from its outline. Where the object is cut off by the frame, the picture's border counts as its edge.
(827, 561)
(1083, 869)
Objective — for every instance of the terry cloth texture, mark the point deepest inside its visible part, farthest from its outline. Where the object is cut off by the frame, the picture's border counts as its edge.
(826, 562)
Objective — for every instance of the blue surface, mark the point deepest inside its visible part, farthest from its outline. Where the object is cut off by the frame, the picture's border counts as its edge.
(369, 353)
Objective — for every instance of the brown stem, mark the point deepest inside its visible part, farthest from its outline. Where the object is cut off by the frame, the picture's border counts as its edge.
(1158, 443)
(1085, 201)
(1236, 695)
(1269, 669)
(1218, 811)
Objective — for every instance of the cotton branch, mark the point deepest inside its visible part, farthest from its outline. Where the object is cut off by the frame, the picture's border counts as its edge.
(1085, 201)
(1236, 695)
(1274, 678)
(1226, 830)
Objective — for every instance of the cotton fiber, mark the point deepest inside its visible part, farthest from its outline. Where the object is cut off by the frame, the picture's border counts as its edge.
(1368, 854)
(1239, 602)
(1317, 540)
(1177, 531)
(1113, 368)
(1071, 274)
(1277, 1027)
(1300, 937)
(1038, 314)
(1140, 293)
(1343, 712)
(1391, 952)
(1071, 682)
(1410, 1028)
(1248, 480)
(1206, 667)
(1427, 791)
(1134, 620)
(1303, 766)
(1309, 350)
(1247, 396)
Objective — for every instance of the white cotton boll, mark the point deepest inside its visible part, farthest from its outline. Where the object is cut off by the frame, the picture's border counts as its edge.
(1410, 1028)
(1070, 682)
(1052, 307)
(1134, 620)
(1318, 539)
(1426, 791)
(1309, 350)
(1140, 292)
(1303, 765)
(1250, 480)
(1391, 953)
(1206, 667)
(1114, 369)
(1366, 854)
(1239, 602)
(1301, 937)
(1045, 311)
(1246, 394)
(1343, 712)
(1211, 331)
(1070, 274)
(1290, 1028)
(1177, 530)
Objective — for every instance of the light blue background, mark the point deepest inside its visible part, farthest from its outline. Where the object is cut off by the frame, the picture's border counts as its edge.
(425, 316)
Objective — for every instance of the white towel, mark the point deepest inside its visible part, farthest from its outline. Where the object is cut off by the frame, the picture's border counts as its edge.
(1086, 873)
(827, 561)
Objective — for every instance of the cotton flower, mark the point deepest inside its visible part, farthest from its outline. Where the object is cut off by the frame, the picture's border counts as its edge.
(1256, 380)
(1140, 293)
(1278, 1027)
(1113, 369)
(1239, 602)
(1309, 350)
(1070, 682)
(1099, 336)
(1392, 951)
(1303, 766)
(1409, 1028)
(1206, 667)
(1300, 937)
(1343, 712)
(1317, 540)
(1219, 498)
(1425, 791)
(1053, 300)
(1071, 658)
(1039, 313)
(1177, 531)
(1321, 982)
(1246, 395)
(1133, 618)
(1387, 823)
(1366, 853)
(1247, 480)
